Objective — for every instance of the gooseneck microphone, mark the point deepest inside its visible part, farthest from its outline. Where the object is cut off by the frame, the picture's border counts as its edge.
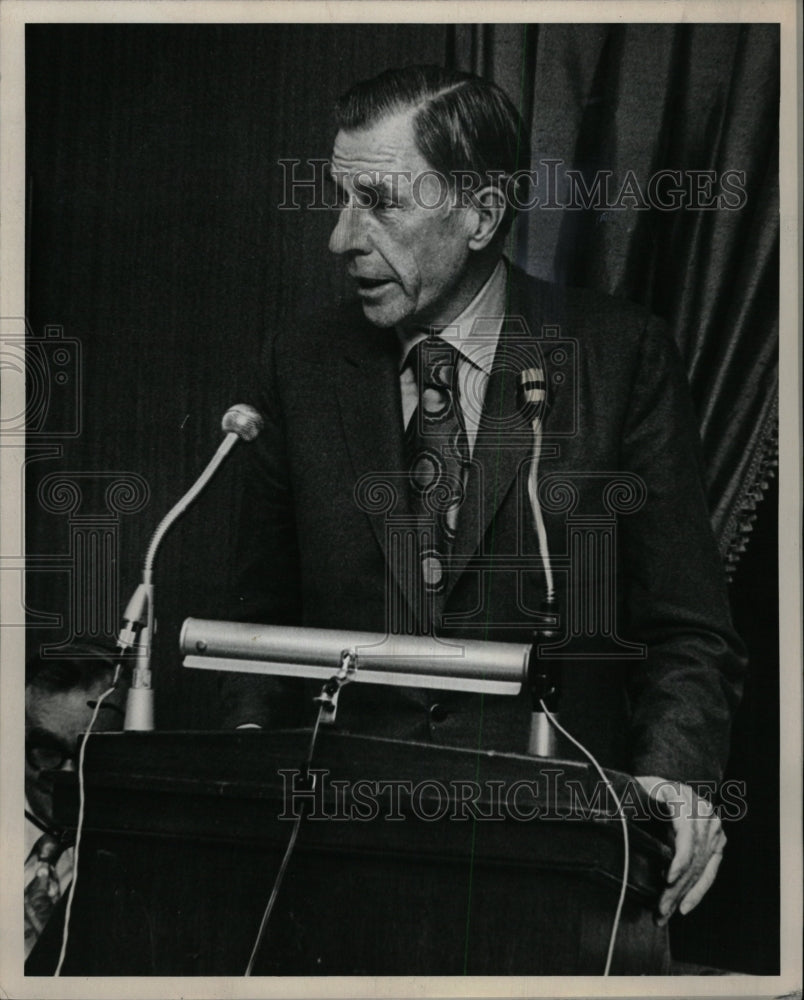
(239, 422)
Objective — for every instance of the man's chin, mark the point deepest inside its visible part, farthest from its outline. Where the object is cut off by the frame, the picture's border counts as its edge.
(386, 305)
(383, 317)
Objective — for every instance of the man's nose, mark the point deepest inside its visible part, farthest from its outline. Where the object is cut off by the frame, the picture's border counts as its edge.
(349, 234)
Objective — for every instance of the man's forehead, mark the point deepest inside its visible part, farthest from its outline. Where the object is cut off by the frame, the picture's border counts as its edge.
(60, 712)
(388, 144)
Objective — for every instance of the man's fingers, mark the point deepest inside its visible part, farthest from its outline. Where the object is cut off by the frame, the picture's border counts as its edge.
(690, 874)
(702, 886)
(684, 847)
(677, 889)
(701, 878)
(717, 840)
(694, 879)
(667, 906)
(673, 894)
(699, 842)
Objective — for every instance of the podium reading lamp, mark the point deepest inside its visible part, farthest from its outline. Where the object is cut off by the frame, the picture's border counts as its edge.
(337, 657)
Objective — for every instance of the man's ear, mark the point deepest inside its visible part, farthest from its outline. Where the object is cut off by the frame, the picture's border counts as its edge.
(486, 214)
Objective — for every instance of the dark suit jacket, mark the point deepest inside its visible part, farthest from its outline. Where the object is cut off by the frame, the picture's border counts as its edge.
(651, 667)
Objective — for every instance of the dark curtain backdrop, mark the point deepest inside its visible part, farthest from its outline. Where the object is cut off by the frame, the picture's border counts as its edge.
(156, 245)
(647, 98)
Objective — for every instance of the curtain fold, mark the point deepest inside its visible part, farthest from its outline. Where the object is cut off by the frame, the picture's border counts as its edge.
(618, 105)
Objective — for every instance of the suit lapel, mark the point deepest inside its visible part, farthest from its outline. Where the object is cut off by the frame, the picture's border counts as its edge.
(503, 444)
(505, 439)
(371, 414)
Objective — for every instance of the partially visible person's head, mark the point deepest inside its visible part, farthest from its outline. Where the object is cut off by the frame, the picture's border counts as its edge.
(424, 157)
(60, 694)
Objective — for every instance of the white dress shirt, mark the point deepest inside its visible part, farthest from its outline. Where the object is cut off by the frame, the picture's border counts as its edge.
(474, 334)
(64, 865)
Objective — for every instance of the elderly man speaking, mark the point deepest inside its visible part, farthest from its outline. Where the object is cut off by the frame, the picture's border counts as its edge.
(497, 413)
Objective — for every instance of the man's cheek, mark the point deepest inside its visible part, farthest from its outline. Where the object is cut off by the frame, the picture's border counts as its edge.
(399, 257)
(44, 784)
(39, 793)
(410, 277)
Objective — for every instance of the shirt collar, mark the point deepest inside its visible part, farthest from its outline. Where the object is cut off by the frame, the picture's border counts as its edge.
(475, 332)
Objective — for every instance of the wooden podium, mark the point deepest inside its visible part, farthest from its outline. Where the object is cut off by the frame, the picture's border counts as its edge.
(412, 859)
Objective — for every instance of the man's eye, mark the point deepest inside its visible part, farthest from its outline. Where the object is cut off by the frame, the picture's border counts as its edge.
(335, 194)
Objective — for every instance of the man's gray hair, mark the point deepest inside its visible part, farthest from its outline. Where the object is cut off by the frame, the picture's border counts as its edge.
(463, 124)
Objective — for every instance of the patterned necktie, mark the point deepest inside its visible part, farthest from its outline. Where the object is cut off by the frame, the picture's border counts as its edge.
(43, 891)
(437, 453)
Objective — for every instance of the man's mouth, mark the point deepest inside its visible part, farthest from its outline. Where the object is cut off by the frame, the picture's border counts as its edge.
(367, 286)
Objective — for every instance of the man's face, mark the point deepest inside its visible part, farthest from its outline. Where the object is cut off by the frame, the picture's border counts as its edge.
(409, 260)
(53, 724)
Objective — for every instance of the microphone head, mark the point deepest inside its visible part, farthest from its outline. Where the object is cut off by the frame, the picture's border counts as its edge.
(242, 420)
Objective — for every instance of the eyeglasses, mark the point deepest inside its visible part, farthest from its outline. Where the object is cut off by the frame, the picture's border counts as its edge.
(45, 751)
(47, 754)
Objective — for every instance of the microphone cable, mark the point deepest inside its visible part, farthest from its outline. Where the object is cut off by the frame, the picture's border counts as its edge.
(280, 875)
(624, 826)
(80, 826)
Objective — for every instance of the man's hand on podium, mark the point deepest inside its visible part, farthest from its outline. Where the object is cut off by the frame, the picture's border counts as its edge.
(699, 845)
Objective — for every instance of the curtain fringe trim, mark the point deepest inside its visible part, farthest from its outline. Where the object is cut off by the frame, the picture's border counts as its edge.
(746, 513)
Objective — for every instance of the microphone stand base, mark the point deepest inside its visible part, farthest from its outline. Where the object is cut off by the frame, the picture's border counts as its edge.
(139, 710)
(542, 740)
